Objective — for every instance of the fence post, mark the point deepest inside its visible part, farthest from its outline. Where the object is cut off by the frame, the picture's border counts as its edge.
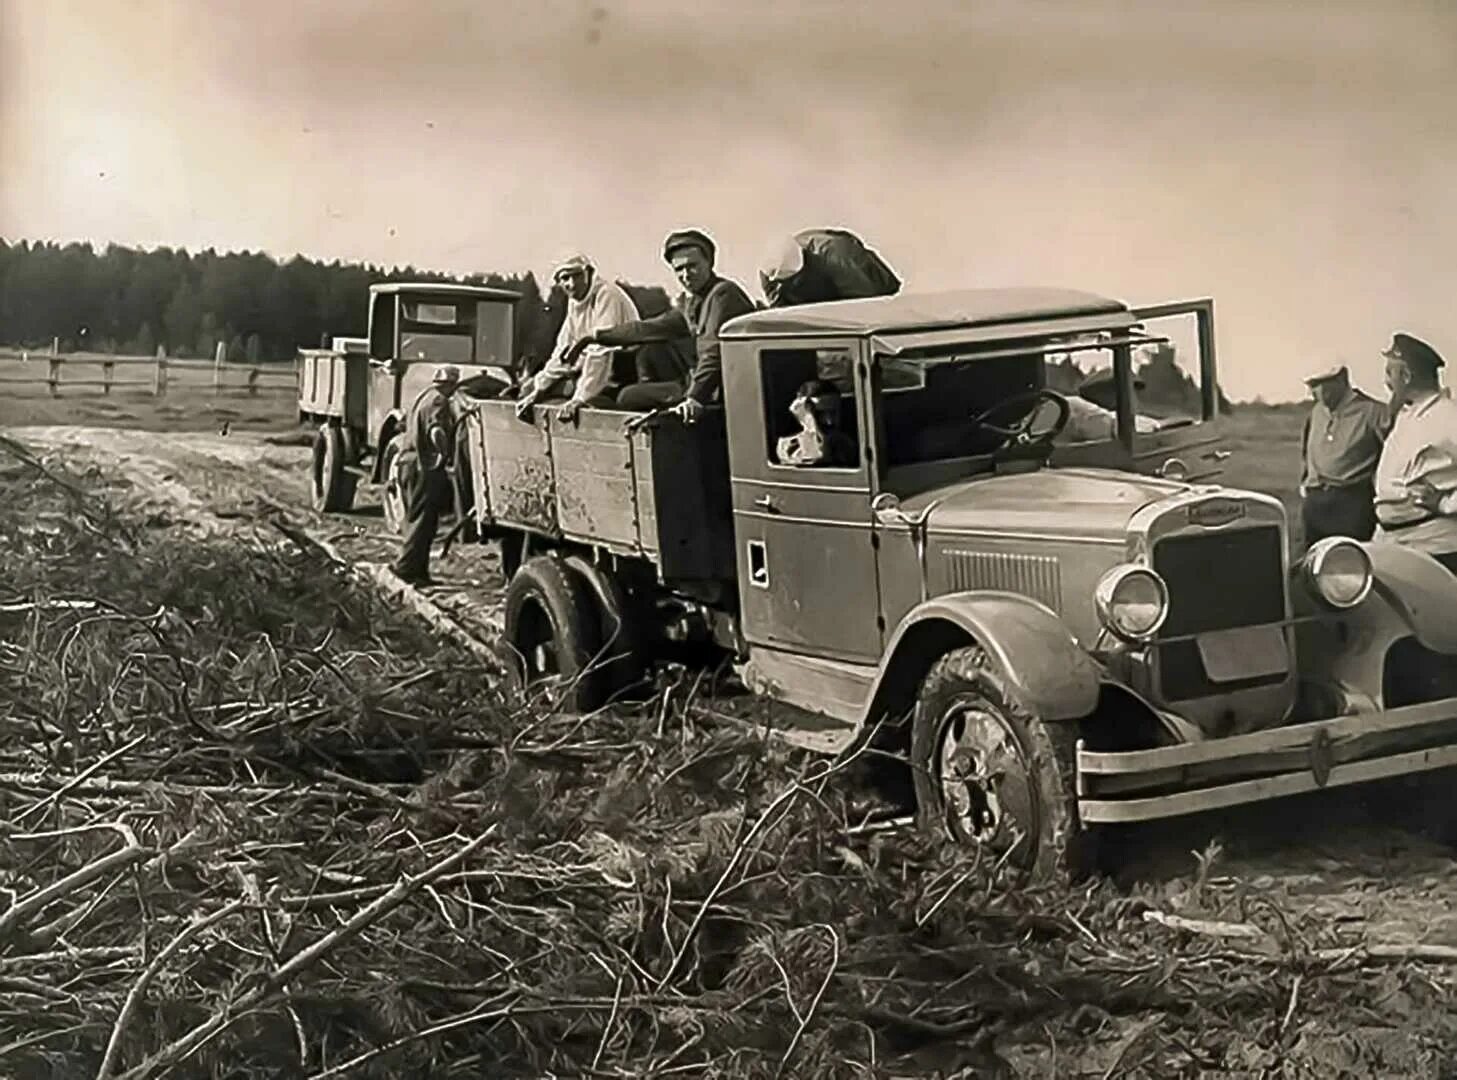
(106, 371)
(217, 368)
(53, 373)
(252, 382)
(55, 346)
(159, 374)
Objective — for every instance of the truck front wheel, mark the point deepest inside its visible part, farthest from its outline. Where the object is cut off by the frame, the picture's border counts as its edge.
(333, 485)
(552, 632)
(989, 775)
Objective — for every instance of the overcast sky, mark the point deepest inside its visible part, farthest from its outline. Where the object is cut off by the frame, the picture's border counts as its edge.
(1296, 161)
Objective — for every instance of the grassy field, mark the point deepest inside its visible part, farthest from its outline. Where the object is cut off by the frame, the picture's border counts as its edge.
(189, 404)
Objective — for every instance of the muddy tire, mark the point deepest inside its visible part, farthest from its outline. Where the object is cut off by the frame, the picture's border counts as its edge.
(619, 629)
(392, 489)
(332, 490)
(989, 775)
(552, 634)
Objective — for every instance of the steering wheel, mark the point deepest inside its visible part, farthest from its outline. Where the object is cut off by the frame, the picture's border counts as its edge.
(1024, 410)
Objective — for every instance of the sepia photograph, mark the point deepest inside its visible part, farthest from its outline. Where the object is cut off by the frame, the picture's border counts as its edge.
(645, 539)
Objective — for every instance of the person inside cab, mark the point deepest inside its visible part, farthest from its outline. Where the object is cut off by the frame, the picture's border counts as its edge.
(581, 376)
(820, 440)
(1093, 410)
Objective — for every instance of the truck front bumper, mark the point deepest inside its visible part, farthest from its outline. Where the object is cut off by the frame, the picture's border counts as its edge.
(1141, 785)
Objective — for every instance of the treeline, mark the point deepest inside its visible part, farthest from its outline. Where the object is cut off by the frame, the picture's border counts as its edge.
(129, 301)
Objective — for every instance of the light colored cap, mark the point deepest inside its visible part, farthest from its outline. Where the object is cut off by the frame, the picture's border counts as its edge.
(574, 261)
(1332, 371)
(445, 375)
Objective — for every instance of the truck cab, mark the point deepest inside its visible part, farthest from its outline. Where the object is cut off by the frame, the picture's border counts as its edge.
(1050, 632)
(359, 391)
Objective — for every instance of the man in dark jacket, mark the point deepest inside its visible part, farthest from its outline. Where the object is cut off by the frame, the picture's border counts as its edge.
(427, 448)
(708, 301)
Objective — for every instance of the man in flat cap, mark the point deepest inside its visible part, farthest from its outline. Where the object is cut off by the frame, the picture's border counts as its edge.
(1416, 478)
(1340, 445)
(708, 301)
(427, 448)
(593, 303)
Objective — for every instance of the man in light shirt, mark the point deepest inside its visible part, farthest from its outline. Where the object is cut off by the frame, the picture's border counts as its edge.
(1340, 443)
(1416, 478)
(593, 304)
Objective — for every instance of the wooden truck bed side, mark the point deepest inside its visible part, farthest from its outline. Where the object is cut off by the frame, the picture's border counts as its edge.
(661, 493)
(333, 384)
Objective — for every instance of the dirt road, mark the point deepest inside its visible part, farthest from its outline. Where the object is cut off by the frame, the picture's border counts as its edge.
(1334, 862)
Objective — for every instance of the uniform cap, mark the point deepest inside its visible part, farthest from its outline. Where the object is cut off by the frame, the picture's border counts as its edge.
(445, 375)
(1413, 350)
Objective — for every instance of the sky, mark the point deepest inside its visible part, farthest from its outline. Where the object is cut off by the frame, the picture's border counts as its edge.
(1296, 161)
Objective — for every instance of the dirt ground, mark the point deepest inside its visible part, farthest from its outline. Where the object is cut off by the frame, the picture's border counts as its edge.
(1345, 860)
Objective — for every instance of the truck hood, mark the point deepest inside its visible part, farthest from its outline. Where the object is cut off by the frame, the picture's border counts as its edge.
(1093, 503)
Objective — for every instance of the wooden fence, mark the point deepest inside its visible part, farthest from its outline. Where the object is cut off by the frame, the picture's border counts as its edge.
(142, 374)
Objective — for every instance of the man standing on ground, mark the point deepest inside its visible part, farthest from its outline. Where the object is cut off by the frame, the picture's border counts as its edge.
(593, 303)
(1340, 443)
(1416, 478)
(427, 448)
(708, 301)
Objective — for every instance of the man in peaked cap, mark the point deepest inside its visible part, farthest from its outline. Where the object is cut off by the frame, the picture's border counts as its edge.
(708, 301)
(427, 449)
(1340, 445)
(1416, 477)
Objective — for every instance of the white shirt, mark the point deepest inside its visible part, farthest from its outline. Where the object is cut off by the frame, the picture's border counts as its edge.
(1422, 447)
(605, 305)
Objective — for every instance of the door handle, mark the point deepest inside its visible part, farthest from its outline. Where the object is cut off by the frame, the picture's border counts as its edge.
(766, 503)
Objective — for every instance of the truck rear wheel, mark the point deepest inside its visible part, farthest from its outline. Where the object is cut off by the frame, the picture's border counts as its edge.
(989, 775)
(392, 491)
(333, 485)
(552, 632)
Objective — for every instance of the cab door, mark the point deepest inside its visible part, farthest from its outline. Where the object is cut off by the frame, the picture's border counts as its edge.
(806, 551)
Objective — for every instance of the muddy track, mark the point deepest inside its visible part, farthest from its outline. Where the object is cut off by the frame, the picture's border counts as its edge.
(1337, 855)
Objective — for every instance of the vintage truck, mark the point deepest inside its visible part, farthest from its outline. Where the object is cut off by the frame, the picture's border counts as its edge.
(357, 391)
(1041, 638)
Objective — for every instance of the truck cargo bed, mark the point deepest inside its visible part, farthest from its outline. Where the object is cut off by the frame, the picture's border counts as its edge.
(661, 492)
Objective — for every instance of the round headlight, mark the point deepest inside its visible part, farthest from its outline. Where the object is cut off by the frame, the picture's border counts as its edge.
(1133, 602)
(1339, 570)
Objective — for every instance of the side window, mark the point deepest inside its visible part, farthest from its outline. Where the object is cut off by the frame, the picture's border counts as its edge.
(811, 416)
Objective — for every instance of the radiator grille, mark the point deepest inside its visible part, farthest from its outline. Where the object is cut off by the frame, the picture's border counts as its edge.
(1217, 581)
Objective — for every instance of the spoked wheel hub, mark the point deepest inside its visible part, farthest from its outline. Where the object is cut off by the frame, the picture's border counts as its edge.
(989, 783)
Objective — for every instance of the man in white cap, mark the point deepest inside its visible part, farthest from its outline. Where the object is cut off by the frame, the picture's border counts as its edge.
(593, 304)
(1416, 479)
(1340, 445)
(427, 449)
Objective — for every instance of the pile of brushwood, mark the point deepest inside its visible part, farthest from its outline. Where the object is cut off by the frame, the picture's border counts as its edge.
(254, 823)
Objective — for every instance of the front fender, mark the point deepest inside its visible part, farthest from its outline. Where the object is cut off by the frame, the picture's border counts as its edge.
(1421, 591)
(393, 421)
(1043, 664)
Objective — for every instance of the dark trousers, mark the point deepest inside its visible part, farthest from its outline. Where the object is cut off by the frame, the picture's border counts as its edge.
(644, 396)
(1344, 511)
(427, 494)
